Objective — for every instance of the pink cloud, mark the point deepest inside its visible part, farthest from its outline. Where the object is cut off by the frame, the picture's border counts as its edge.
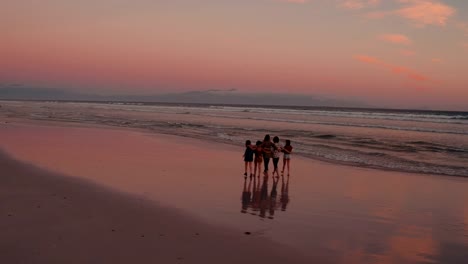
(420, 12)
(399, 70)
(436, 60)
(426, 12)
(396, 39)
(358, 4)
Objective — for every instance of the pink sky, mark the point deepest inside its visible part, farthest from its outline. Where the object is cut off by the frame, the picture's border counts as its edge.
(392, 53)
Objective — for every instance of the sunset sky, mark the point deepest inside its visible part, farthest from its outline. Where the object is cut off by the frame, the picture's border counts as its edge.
(395, 53)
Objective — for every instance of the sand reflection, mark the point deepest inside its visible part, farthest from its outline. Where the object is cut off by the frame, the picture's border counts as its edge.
(340, 214)
(259, 199)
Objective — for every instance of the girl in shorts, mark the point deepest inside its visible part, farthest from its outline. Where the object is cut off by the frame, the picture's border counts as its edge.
(258, 158)
(248, 157)
(287, 155)
(277, 148)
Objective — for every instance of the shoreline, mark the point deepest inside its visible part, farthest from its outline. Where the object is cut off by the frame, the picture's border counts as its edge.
(68, 123)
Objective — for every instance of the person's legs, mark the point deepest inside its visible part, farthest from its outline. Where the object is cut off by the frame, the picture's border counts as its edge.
(250, 168)
(284, 165)
(255, 167)
(259, 168)
(266, 159)
(275, 165)
(288, 161)
(245, 172)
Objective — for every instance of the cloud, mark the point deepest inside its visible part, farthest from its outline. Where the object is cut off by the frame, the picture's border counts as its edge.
(399, 70)
(396, 39)
(436, 60)
(358, 4)
(426, 12)
(420, 12)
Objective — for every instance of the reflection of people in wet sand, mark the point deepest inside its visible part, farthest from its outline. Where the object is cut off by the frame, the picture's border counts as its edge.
(264, 198)
(273, 195)
(256, 195)
(284, 199)
(246, 195)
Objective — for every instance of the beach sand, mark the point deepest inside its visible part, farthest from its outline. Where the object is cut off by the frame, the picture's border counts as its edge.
(51, 218)
(169, 188)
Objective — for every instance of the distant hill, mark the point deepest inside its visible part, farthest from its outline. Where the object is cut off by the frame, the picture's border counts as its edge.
(205, 97)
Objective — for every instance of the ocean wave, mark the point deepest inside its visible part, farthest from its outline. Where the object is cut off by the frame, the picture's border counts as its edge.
(442, 117)
(404, 152)
(417, 129)
(397, 115)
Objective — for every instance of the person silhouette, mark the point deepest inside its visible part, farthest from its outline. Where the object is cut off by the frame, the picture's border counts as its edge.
(246, 196)
(277, 149)
(287, 150)
(267, 149)
(258, 159)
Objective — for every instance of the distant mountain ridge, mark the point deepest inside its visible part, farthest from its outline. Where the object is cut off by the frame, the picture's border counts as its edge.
(212, 96)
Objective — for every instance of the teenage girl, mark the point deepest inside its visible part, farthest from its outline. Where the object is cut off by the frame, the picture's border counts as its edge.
(248, 157)
(287, 155)
(258, 158)
(277, 148)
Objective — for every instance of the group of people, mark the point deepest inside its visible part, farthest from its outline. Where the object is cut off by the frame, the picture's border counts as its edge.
(262, 152)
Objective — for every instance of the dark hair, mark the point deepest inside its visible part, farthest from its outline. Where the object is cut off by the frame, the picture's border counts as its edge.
(258, 143)
(276, 139)
(248, 143)
(267, 138)
(288, 142)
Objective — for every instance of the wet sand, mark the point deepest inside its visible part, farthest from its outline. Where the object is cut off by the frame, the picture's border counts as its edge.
(323, 212)
(51, 218)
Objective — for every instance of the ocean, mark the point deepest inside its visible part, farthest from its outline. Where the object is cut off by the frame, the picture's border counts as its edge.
(416, 141)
